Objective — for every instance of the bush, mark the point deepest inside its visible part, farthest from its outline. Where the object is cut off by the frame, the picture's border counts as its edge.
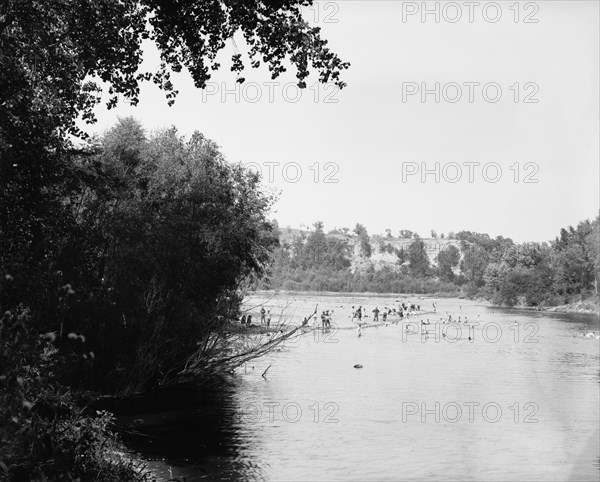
(471, 290)
(155, 238)
(44, 433)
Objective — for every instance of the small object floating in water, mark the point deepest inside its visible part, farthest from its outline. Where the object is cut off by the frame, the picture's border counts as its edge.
(358, 365)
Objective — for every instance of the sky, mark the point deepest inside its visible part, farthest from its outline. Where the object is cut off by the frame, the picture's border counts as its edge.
(487, 119)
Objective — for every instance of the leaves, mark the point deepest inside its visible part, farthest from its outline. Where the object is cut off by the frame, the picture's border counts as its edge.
(418, 260)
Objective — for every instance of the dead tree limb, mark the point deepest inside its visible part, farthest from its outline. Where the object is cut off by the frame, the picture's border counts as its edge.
(225, 364)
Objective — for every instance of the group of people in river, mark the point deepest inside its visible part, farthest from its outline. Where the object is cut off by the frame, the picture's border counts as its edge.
(358, 314)
(326, 319)
(265, 318)
(402, 311)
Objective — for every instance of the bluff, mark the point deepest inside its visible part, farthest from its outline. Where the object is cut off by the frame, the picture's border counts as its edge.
(386, 251)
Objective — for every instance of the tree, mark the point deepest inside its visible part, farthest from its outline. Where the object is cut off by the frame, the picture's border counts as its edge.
(418, 261)
(106, 40)
(573, 259)
(337, 254)
(494, 277)
(363, 238)
(434, 234)
(527, 255)
(593, 243)
(298, 252)
(170, 240)
(314, 248)
(473, 264)
(513, 286)
(447, 259)
(405, 233)
(402, 255)
(125, 142)
(142, 269)
(58, 56)
(136, 246)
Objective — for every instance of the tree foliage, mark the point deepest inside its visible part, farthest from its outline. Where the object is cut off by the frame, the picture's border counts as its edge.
(418, 261)
(127, 252)
(363, 240)
(447, 260)
(162, 232)
(57, 55)
(575, 257)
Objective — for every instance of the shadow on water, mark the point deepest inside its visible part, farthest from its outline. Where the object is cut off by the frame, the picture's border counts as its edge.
(187, 431)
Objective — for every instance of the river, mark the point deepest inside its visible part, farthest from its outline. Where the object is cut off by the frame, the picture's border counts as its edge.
(518, 401)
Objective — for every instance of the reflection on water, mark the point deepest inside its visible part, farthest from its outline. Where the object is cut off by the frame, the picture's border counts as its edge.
(518, 402)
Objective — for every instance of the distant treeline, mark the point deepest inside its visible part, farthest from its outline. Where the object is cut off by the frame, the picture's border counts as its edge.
(475, 265)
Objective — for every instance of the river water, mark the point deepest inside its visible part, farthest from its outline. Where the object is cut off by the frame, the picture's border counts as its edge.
(519, 401)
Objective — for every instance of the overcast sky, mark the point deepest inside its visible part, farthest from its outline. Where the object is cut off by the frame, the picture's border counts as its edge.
(377, 135)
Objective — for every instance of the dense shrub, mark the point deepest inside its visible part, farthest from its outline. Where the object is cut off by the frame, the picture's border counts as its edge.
(45, 432)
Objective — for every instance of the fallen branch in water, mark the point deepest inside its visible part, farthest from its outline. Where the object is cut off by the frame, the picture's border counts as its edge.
(265, 372)
(213, 365)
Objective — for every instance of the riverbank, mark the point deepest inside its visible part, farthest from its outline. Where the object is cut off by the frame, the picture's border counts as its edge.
(356, 294)
(590, 304)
